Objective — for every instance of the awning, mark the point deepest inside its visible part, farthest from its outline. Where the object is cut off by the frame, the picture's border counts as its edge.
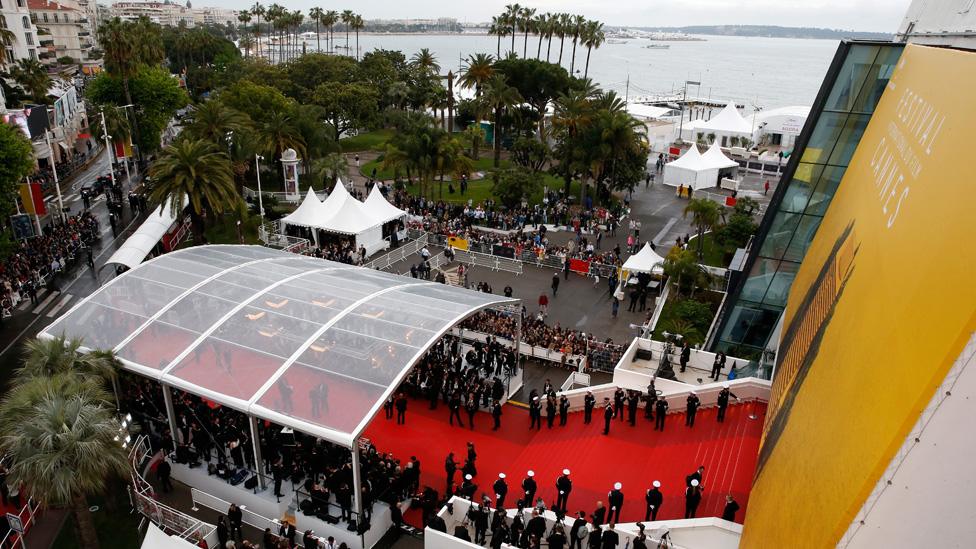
(135, 249)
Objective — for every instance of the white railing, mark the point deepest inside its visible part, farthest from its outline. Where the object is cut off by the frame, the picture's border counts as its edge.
(249, 517)
(493, 262)
(281, 197)
(575, 378)
(26, 514)
(406, 250)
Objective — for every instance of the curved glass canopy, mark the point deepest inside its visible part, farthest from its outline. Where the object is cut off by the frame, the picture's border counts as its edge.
(304, 342)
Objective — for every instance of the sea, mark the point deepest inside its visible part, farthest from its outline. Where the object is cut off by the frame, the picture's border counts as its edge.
(752, 71)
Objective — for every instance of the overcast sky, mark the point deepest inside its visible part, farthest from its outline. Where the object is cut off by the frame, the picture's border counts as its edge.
(862, 15)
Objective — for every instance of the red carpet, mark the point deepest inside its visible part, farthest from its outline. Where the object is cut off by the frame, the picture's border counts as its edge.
(634, 456)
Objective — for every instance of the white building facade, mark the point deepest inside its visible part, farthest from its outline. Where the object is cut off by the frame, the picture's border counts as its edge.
(64, 30)
(15, 17)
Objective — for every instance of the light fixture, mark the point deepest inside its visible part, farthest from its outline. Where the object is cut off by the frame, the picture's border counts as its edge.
(128, 417)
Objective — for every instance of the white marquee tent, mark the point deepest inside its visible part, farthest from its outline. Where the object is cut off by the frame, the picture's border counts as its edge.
(378, 207)
(645, 261)
(727, 122)
(700, 171)
(341, 213)
(138, 246)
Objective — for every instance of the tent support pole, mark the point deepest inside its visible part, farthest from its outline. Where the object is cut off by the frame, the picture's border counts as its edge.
(256, 447)
(357, 482)
(170, 412)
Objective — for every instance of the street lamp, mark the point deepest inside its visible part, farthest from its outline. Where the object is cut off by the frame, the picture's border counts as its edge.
(257, 171)
(108, 148)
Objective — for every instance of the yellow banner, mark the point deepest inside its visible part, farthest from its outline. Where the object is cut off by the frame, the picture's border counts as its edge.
(879, 310)
(457, 242)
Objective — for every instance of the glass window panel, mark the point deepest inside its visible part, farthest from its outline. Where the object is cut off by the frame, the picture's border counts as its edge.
(802, 238)
(823, 138)
(160, 273)
(779, 289)
(226, 368)
(779, 235)
(802, 184)
(274, 333)
(358, 356)
(750, 324)
(759, 279)
(848, 139)
(137, 296)
(876, 80)
(157, 345)
(98, 326)
(197, 312)
(826, 188)
(857, 67)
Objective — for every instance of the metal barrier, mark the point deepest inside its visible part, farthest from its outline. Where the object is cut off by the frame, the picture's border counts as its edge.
(575, 378)
(404, 251)
(493, 262)
(281, 197)
(26, 514)
(210, 501)
(603, 356)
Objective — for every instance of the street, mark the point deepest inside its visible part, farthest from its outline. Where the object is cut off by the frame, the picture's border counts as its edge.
(28, 319)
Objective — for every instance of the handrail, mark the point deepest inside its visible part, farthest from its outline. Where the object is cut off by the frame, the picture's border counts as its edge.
(30, 508)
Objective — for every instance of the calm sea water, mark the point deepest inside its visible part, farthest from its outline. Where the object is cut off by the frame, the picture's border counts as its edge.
(770, 72)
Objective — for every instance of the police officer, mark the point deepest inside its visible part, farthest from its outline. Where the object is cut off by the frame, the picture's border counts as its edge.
(535, 413)
(563, 486)
(654, 499)
(468, 488)
(633, 400)
(607, 415)
(501, 490)
(563, 410)
(616, 500)
(723, 401)
(693, 403)
(661, 411)
(589, 402)
(529, 488)
(693, 497)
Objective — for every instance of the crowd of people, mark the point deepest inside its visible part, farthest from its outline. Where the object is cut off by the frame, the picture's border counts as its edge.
(36, 262)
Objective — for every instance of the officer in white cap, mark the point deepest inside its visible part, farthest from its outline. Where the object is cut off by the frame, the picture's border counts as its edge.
(616, 500)
(528, 489)
(468, 488)
(693, 496)
(563, 487)
(723, 401)
(654, 499)
(501, 490)
(692, 409)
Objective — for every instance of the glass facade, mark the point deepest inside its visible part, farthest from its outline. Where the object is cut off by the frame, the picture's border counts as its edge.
(851, 91)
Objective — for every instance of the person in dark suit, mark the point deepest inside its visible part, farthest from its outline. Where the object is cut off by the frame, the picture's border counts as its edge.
(654, 499)
(496, 415)
(685, 355)
(697, 475)
(607, 415)
(589, 402)
(609, 538)
(731, 507)
(723, 401)
(454, 404)
(472, 408)
(528, 489)
(691, 411)
(450, 467)
(501, 490)
(616, 500)
(401, 409)
(535, 527)
(618, 403)
(598, 516)
(660, 412)
(578, 532)
(563, 488)
(693, 496)
(550, 411)
(563, 410)
(633, 400)
(163, 471)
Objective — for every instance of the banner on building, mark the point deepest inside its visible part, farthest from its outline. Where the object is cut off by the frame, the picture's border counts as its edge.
(878, 312)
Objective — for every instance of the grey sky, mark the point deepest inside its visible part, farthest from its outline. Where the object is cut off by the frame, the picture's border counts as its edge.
(863, 15)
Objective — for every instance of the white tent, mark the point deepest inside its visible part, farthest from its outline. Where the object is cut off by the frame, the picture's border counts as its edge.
(310, 213)
(342, 213)
(645, 261)
(380, 208)
(157, 539)
(639, 110)
(138, 246)
(699, 171)
(727, 123)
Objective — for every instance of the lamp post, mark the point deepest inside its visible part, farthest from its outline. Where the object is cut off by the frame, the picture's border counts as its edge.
(108, 147)
(684, 98)
(54, 170)
(257, 171)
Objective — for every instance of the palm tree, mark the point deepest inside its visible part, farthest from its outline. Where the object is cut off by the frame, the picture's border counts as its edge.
(475, 134)
(564, 28)
(278, 132)
(683, 268)
(7, 37)
(572, 111)
(451, 159)
(620, 133)
(480, 68)
(197, 172)
(33, 78)
(540, 26)
(317, 15)
(213, 120)
(512, 12)
(593, 38)
(498, 29)
(357, 25)
(330, 168)
(258, 11)
(425, 61)
(330, 19)
(244, 17)
(526, 23)
(499, 96)
(347, 17)
(64, 445)
(576, 27)
(705, 215)
(61, 355)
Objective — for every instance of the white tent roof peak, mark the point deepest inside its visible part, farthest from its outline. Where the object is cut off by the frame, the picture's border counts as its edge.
(309, 213)
(691, 159)
(645, 261)
(715, 158)
(380, 208)
(728, 120)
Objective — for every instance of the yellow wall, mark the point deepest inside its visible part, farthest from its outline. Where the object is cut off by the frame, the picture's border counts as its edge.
(898, 304)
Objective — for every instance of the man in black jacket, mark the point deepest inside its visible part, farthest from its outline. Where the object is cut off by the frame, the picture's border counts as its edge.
(654, 499)
(609, 539)
(501, 490)
(731, 507)
(496, 415)
(563, 486)
(589, 402)
(723, 401)
(616, 500)
(528, 489)
(607, 415)
(578, 532)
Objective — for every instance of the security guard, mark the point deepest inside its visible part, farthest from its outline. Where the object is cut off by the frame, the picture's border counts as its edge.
(693, 403)
(654, 499)
(616, 500)
(529, 488)
(501, 490)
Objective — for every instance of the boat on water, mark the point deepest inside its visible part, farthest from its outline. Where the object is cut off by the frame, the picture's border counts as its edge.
(657, 46)
(616, 41)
